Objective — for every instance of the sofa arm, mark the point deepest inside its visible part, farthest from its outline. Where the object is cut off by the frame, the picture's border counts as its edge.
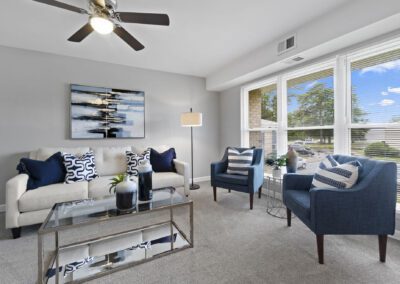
(297, 182)
(183, 169)
(15, 187)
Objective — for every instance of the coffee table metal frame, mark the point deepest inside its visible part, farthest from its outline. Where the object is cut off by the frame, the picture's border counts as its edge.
(55, 230)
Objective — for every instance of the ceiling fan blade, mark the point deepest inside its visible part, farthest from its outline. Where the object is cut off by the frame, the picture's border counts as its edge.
(143, 18)
(63, 6)
(128, 38)
(82, 33)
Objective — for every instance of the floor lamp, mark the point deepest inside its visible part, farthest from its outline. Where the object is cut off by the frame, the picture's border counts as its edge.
(192, 119)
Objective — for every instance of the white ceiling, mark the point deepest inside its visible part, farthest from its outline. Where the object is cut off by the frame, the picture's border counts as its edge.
(204, 35)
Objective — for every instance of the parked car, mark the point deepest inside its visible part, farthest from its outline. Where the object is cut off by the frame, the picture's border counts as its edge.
(302, 150)
(301, 163)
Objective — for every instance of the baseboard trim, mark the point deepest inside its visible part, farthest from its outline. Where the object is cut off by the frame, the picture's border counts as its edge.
(2, 208)
(201, 179)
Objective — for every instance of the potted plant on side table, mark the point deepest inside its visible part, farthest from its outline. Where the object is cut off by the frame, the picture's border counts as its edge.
(277, 163)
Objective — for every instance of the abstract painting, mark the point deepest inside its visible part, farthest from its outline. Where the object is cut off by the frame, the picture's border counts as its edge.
(99, 113)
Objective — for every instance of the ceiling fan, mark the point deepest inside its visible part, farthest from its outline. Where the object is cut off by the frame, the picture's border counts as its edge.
(104, 19)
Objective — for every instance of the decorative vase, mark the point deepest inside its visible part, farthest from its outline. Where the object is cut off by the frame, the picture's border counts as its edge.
(145, 181)
(126, 194)
(291, 160)
(276, 173)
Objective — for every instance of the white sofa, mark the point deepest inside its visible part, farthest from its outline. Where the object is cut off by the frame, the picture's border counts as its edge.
(32, 207)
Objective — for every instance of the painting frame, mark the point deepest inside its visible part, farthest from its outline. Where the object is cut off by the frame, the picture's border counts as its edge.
(139, 129)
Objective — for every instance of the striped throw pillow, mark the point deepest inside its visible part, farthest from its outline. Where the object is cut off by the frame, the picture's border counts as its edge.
(340, 176)
(328, 162)
(239, 162)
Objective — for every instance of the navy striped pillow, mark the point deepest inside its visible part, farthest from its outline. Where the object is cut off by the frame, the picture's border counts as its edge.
(239, 162)
(339, 176)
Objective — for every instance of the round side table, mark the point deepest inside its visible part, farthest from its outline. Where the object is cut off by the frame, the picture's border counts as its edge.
(275, 206)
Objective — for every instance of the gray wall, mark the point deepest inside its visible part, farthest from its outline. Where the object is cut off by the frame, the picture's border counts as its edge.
(229, 119)
(34, 107)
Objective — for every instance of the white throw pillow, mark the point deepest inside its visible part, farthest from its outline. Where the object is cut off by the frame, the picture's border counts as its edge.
(340, 176)
(79, 168)
(133, 160)
(239, 162)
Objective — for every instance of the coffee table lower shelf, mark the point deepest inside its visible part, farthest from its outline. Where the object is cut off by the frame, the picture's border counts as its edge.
(80, 262)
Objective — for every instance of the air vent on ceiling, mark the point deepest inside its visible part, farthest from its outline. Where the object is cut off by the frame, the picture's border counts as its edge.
(287, 44)
(293, 60)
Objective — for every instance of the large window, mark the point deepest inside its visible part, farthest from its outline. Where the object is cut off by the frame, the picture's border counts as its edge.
(375, 106)
(310, 117)
(347, 105)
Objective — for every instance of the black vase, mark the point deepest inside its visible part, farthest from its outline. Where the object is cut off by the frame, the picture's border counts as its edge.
(145, 186)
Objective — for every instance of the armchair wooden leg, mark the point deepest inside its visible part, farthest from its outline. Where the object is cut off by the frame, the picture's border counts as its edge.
(289, 217)
(259, 192)
(320, 246)
(251, 200)
(382, 247)
(215, 193)
(16, 232)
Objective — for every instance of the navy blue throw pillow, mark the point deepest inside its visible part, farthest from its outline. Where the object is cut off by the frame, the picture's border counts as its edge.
(163, 162)
(43, 173)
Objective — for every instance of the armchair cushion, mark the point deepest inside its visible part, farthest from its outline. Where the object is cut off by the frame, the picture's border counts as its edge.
(233, 179)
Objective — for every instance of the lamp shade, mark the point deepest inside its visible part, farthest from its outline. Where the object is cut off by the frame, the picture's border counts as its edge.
(191, 119)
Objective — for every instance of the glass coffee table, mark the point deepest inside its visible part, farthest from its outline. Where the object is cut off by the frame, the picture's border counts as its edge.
(77, 262)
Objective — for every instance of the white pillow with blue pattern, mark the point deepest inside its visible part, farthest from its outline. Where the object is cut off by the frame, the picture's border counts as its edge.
(331, 174)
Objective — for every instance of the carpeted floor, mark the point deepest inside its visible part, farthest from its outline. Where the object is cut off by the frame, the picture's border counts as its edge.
(233, 245)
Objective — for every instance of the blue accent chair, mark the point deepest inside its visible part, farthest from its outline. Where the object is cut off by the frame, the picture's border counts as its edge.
(368, 208)
(249, 184)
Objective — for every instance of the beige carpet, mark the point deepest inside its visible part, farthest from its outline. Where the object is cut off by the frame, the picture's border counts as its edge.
(234, 245)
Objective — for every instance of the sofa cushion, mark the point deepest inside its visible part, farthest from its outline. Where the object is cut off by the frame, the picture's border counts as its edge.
(163, 161)
(42, 173)
(299, 202)
(44, 153)
(45, 197)
(134, 160)
(233, 179)
(167, 179)
(80, 168)
(110, 160)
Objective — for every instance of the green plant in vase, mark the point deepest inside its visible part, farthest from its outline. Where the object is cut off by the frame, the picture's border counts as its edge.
(115, 181)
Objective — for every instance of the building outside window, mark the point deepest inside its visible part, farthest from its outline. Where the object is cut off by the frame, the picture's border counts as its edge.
(262, 119)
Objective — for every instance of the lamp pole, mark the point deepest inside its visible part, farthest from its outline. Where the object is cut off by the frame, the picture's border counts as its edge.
(192, 186)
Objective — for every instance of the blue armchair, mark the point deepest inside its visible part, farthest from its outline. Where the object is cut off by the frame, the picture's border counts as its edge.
(251, 183)
(368, 208)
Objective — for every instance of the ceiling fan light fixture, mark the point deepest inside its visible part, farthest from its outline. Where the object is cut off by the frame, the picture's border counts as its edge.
(101, 25)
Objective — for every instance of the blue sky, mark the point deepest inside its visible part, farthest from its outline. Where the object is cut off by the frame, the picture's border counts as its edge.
(377, 87)
(378, 90)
